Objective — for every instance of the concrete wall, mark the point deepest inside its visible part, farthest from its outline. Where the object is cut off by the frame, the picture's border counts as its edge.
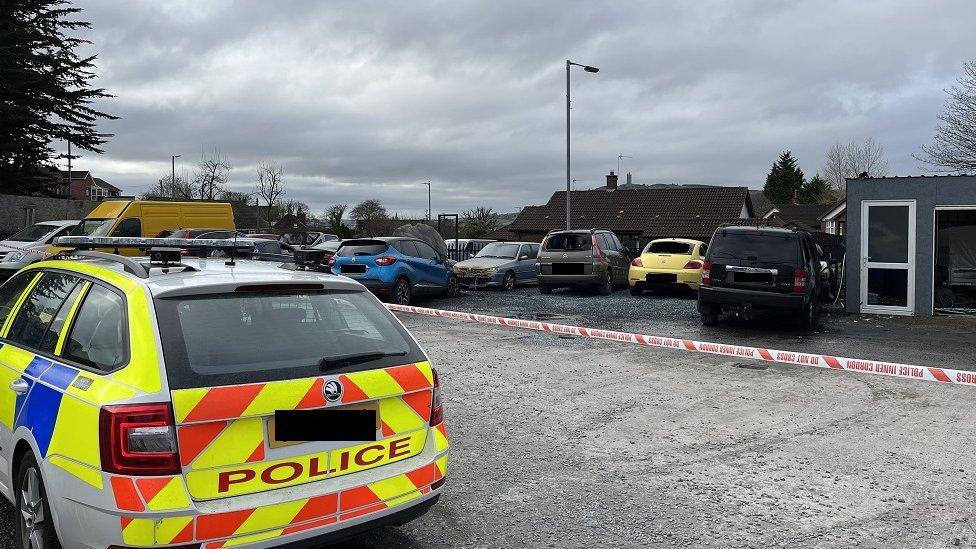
(927, 192)
(13, 210)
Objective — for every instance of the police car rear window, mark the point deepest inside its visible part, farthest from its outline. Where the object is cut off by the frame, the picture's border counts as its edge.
(250, 337)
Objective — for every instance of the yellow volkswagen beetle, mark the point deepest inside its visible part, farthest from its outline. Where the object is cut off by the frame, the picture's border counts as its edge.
(667, 263)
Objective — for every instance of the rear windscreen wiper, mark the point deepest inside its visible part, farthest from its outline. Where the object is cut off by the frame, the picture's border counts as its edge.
(332, 362)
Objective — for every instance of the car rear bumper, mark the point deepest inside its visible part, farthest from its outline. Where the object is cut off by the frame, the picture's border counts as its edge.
(305, 515)
(750, 299)
(571, 280)
(644, 277)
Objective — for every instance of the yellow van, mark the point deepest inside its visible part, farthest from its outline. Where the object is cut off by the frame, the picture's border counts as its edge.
(145, 218)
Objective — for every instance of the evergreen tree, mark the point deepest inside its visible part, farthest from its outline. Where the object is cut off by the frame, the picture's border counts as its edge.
(785, 178)
(46, 93)
(815, 191)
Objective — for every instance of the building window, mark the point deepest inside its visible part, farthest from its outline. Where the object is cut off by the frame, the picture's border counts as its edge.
(30, 215)
(831, 227)
(97, 193)
(840, 228)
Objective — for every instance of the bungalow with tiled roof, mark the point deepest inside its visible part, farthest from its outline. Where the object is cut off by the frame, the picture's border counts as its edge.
(639, 214)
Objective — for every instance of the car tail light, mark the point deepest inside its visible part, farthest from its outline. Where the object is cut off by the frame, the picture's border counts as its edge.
(385, 261)
(799, 280)
(706, 273)
(637, 262)
(597, 252)
(138, 439)
(693, 264)
(436, 406)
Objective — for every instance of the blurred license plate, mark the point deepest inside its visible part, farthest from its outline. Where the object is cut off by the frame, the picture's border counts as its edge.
(290, 427)
(662, 278)
(754, 278)
(352, 269)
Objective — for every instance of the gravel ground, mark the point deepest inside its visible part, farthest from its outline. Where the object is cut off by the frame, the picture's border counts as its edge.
(944, 341)
(582, 443)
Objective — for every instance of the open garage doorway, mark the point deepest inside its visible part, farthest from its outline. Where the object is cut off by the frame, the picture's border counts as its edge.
(954, 278)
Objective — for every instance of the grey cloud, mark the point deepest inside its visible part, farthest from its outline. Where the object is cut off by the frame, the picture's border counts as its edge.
(367, 99)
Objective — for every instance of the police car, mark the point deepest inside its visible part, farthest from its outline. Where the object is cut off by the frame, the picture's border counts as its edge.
(206, 403)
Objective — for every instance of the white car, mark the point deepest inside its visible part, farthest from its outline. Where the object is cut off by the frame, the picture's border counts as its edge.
(30, 245)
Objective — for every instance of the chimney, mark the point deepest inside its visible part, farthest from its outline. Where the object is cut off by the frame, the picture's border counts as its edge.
(629, 181)
(796, 197)
(611, 181)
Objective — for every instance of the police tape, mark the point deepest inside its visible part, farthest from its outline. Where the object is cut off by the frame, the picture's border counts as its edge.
(890, 369)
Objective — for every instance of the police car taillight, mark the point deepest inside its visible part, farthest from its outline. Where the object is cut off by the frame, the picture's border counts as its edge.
(436, 406)
(138, 439)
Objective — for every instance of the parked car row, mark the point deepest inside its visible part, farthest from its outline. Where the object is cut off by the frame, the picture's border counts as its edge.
(741, 272)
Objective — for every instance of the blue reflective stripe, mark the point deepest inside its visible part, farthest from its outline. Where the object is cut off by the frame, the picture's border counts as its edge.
(40, 414)
(37, 367)
(59, 375)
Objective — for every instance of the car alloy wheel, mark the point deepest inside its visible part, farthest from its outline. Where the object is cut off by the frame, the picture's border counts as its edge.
(508, 283)
(401, 292)
(32, 516)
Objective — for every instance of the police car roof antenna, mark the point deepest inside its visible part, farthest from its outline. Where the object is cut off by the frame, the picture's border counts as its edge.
(232, 252)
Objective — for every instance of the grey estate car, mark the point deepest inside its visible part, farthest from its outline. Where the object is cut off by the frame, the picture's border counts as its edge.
(500, 264)
(595, 257)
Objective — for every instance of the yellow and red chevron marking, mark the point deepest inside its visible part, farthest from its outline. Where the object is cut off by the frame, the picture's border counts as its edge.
(251, 525)
(252, 399)
(149, 493)
(375, 384)
(256, 399)
(144, 532)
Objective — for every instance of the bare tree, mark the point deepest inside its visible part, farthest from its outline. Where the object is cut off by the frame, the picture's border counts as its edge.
(853, 159)
(478, 222)
(270, 186)
(954, 147)
(366, 213)
(333, 216)
(170, 188)
(210, 177)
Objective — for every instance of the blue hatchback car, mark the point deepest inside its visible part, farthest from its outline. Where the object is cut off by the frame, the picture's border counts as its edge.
(395, 268)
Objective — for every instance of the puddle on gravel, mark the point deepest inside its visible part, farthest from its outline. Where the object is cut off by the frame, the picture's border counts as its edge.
(751, 365)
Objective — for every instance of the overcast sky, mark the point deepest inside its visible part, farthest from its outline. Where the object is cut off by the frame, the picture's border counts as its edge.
(366, 99)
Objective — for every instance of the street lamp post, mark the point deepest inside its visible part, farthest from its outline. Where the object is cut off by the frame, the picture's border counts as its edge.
(172, 177)
(428, 200)
(586, 68)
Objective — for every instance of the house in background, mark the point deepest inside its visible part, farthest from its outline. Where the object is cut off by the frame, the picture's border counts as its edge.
(81, 185)
(835, 220)
(798, 216)
(911, 245)
(639, 214)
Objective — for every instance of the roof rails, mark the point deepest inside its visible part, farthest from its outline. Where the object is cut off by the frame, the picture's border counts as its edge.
(131, 266)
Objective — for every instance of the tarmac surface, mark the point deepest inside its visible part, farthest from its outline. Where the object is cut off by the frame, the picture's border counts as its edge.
(571, 442)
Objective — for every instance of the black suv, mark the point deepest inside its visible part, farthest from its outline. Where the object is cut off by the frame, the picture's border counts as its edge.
(750, 269)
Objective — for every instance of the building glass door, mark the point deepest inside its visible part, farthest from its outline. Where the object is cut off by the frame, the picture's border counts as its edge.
(888, 256)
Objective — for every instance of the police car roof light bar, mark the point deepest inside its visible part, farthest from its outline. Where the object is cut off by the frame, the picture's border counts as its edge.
(118, 242)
